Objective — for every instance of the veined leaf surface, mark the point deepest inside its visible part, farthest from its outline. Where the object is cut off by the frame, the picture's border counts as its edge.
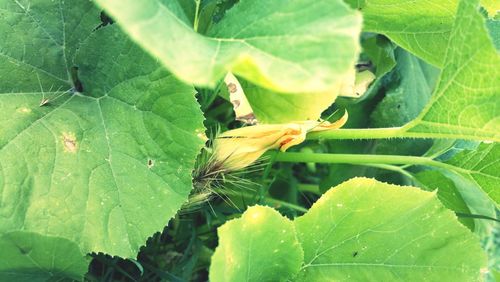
(103, 161)
(360, 230)
(32, 257)
(481, 167)
(298, 46)
(259, 246)
(368, 230)
(465, 103)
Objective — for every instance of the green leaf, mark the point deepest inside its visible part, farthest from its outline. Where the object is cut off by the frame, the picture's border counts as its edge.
(452, 189)
(447, 193)
(413, 84)
(32, 257)
(360, 230)
(481, 167)
(259, 246)
(188, 9)
(380, 50)
(465, 104)
(277, 107)
(368, 230)
(250, 41)
(105, 167)
(421, 27)
(411, 87)
(478, 202)
(494, 30)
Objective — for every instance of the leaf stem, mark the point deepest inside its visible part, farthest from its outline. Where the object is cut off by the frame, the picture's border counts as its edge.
(385, 133)
(361, 159)
(394, 168)
(365, 133)
(309, 188)
(196, 15)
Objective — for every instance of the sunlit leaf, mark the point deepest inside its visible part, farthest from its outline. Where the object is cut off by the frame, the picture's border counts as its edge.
(465, 104)
(447, 193)
(368, 230)
(259, 246)
(251, 41)
(360, 230)
(97, 140)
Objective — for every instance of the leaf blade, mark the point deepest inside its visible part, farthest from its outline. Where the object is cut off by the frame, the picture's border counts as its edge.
(461, 106)
(104, 168)
(371, 229)
(261, 245)
(243, 42)
(33, 257)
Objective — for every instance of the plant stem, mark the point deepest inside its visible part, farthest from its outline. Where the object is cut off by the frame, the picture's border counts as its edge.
(264, 188)
(395, 168)
(196, 15)
(363, 160)
(309, 188)
(366, 133)
(384, 133)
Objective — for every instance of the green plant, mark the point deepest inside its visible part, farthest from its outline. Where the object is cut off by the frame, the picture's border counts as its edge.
(105, 107)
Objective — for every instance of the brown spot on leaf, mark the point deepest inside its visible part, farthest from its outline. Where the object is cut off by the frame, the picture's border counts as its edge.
(151, 163)
(248, 118)
(69, 142)
(236, 103)
(232, 88)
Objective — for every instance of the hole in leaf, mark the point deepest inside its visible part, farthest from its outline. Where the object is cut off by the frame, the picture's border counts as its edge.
(105, 20)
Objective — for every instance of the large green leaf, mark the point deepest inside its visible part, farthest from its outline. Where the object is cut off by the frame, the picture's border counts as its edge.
(32, 257)
(450, 179)
(277, 107)
(297, 46)
(380, 50)
(465, 103)
(455, 191)
(481, 167)
(448, 194)
(259, 246)
(361, 230)
(368, 230)
(421, 27)
(411, 88)
(104, 167)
